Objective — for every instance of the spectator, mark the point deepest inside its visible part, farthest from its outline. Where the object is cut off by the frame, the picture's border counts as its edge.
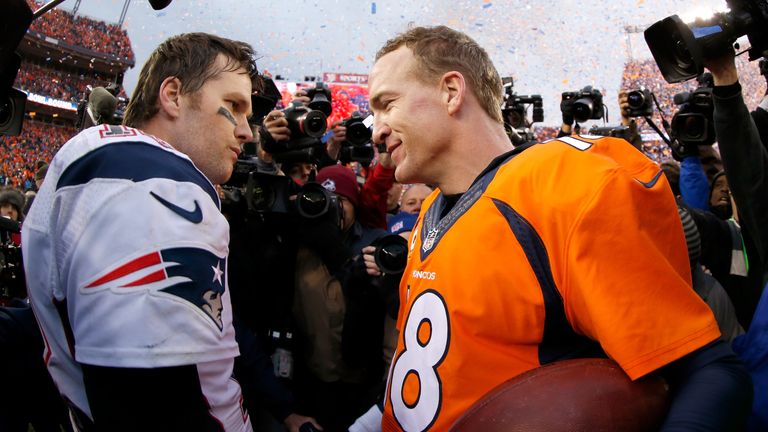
(414, 197)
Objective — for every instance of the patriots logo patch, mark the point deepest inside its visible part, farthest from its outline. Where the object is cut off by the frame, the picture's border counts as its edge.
(192, 274)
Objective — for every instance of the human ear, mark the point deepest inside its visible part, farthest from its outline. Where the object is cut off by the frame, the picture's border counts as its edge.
(453, 88)
(169, 97)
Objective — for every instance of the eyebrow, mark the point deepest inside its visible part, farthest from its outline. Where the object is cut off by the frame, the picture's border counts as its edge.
(237, 97)
(375, 100)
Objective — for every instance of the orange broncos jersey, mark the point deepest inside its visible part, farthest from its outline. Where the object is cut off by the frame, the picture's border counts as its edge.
(571, 248)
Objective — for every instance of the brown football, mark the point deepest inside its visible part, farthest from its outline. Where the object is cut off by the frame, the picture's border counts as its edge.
(572, 395)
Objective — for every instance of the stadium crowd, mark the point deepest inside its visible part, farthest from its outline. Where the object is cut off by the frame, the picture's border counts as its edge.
(84, 32)
(20, 155)
(58, 84)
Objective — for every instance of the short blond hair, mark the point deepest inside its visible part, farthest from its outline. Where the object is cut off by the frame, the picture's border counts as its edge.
(441, 49)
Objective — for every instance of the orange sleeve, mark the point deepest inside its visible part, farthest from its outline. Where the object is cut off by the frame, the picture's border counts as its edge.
(627, 275)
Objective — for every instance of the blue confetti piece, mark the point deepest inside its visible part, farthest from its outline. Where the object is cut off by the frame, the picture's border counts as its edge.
(324, 139)
(373, 8)
(487, 5)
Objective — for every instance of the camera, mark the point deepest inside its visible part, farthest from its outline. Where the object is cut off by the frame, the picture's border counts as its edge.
(680, 49)
(358, 129)
(391, 254)
(622, 132)
(320, 98)
(585, 104)
(306, 126)
(640, 103)
(693, 124)
(514, 112)
(15, 20)
(357, 146)
(304, 121)
(12, 279)
(260, 192)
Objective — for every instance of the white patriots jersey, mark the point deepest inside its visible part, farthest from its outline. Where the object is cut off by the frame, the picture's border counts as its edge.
(125, 252)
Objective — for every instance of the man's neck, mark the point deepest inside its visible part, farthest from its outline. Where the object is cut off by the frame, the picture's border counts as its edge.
(471, 156)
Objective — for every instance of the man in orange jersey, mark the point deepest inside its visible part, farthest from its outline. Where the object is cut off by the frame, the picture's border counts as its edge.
(524, 257)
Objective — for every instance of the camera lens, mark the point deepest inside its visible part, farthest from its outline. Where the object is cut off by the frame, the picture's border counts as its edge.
(313, 124)
(635, 99)
(582, 110)
(312, 200)
(358, 134)
(391, 254)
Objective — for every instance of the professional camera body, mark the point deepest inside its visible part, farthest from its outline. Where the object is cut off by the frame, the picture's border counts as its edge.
(680, 49)
(320, 98)
(640, 102)
(307, 124)
(585, 104)
(693, 124)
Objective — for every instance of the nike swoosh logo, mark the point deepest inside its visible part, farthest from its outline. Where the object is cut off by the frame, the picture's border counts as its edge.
(653, 181)
(195, 216)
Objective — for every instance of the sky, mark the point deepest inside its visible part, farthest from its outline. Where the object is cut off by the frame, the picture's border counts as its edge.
(547, 46)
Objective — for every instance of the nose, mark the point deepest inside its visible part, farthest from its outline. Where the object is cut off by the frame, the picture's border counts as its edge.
(243, 131)
(380, 130)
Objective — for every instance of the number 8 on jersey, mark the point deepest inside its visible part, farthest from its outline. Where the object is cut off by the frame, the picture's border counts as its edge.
(415, 386)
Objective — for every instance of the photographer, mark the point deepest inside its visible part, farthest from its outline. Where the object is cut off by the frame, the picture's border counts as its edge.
(627, 120)
(746, 162)
(373, 199)
(339, 311)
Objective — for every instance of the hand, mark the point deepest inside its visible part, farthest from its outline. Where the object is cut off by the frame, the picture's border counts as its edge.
(566, 107)
(277, 125)
(294, 421)
(385, 159)
(301, 96)
(723, 69)
(370, 262)
(333, 146)
(624, 108)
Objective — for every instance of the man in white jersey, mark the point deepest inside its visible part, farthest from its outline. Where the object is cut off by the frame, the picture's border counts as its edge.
(127, 249)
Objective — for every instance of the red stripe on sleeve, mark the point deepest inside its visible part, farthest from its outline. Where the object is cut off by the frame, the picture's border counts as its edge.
(128, 268)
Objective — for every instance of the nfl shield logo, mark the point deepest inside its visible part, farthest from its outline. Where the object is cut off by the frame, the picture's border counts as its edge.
(430, 240)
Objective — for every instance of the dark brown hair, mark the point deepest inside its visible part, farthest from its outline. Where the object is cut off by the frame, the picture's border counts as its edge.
(190, 58)
(441, 49)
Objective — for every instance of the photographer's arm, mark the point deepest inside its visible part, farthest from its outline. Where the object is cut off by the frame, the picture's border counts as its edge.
(744, 157)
